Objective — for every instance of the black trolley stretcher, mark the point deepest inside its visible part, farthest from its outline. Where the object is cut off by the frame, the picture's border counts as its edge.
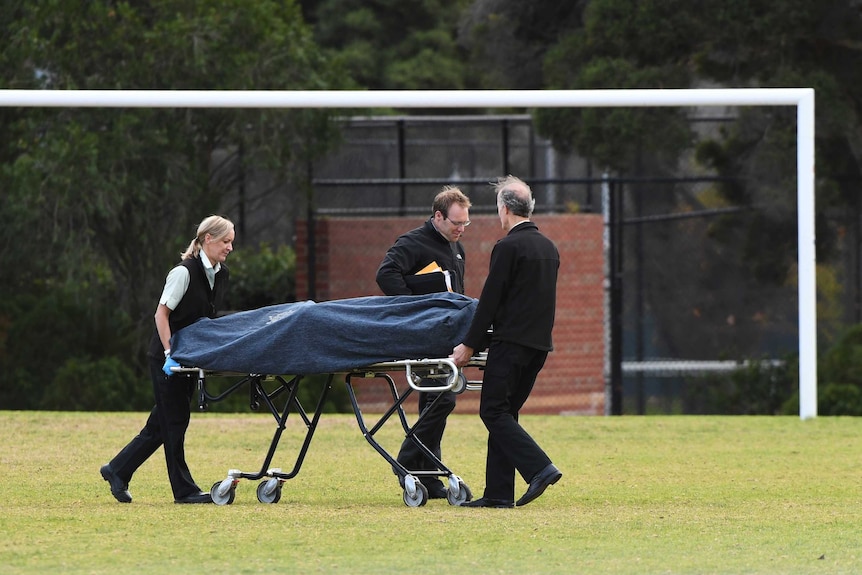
(330, 338)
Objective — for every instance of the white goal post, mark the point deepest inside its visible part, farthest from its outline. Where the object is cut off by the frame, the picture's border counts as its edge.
(802, 98)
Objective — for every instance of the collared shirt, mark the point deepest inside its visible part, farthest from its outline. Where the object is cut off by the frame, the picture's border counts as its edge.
(177, 282)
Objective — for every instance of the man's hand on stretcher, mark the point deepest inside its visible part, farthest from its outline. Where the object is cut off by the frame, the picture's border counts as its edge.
(461, 355)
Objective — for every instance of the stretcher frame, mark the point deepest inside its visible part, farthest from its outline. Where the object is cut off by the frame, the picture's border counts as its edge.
(278, 395)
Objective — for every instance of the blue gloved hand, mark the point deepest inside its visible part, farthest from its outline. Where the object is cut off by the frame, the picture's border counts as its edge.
(169, 363)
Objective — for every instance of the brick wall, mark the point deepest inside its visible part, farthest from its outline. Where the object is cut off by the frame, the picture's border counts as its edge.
(350, 250)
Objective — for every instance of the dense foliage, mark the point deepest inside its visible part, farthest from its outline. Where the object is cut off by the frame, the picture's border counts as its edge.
(394, 44)
(97, 203)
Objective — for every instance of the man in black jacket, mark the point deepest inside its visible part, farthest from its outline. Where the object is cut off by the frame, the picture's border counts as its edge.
(433, 245)
(519, 301)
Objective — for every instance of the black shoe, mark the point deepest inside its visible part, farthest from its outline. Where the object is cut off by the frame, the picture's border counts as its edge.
(487, 502)
(199, 497)
(119, 488)
(548, 476)
(436, 490)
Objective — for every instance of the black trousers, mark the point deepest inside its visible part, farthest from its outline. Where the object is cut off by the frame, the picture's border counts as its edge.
(166, 426)
(429, 430)
(510, 373)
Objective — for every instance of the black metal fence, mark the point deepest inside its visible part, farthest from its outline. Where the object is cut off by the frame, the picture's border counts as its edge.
(678, 289)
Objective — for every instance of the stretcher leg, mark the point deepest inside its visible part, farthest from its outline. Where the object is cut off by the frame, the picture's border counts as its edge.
(415, 493)
(269, 491)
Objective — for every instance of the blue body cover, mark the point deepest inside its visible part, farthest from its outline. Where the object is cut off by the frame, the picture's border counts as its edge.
(305, 338)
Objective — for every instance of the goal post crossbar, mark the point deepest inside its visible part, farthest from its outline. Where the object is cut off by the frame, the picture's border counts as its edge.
(801, 98)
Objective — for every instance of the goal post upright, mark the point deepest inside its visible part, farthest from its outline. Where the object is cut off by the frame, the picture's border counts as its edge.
(806, 254)
(802, 98)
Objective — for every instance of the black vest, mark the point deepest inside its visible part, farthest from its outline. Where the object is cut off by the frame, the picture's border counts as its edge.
(199, 300)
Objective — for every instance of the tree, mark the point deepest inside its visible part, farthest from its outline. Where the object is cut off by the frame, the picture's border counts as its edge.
(617, 44)
(394, 44)
(507, 40)
(99, 203)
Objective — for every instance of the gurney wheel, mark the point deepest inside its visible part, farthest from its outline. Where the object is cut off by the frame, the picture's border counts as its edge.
(461, 383)
(461, 496)
(419, 497)
(269, 493)
(222, 497)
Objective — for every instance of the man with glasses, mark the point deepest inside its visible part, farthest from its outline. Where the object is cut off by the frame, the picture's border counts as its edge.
(432, 245)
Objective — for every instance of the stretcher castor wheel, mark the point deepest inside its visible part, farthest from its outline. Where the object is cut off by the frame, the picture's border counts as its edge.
(460, 383)
(458, 491)
(223, 492)
(415, 494)
(269, 491)
(419, 497)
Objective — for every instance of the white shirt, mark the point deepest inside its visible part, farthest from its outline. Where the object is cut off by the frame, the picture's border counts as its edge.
(177, 282)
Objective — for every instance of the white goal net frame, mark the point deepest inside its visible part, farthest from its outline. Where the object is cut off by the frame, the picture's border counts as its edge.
(801, 98)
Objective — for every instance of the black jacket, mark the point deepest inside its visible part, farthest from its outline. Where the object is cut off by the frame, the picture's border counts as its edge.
(415, 250)
(520, 294)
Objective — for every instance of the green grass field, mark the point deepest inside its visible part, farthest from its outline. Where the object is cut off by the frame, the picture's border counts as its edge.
(638, 495)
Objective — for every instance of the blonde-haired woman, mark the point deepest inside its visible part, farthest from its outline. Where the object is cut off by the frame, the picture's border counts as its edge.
(195, 288)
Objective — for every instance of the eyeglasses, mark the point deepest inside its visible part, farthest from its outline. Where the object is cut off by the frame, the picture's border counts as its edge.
(458, 224)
